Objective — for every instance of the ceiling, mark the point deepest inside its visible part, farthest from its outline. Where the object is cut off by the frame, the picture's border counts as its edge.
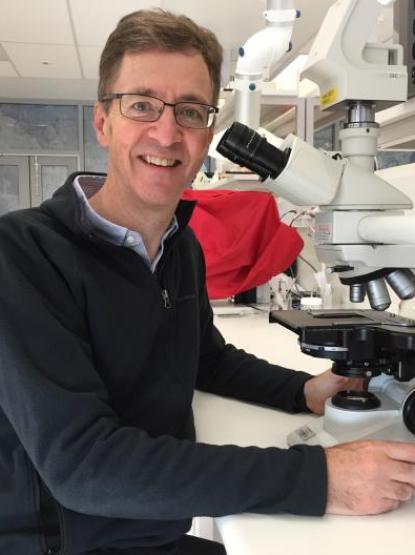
(49, 49)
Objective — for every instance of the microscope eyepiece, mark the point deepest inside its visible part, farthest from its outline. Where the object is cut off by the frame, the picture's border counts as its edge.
(246, 147)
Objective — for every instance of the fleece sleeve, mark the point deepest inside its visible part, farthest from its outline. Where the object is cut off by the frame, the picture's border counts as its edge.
(226, 370)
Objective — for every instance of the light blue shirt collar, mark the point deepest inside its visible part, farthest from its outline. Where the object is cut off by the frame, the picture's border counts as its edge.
(86, 186)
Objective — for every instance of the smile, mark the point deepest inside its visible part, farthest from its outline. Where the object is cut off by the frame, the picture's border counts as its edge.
(163, 162)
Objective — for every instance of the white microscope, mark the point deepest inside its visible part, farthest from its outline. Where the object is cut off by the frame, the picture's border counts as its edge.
(362, 231)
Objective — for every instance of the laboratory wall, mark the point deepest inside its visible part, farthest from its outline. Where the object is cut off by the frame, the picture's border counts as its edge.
(40, 145)
(50, 129)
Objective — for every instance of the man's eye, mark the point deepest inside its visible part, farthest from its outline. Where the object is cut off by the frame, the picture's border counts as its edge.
(192, 113)
(142, 107)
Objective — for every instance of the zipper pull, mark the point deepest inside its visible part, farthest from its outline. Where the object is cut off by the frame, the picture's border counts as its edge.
(166, 298)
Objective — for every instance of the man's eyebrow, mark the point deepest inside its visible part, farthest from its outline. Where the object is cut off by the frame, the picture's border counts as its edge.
(191, 97)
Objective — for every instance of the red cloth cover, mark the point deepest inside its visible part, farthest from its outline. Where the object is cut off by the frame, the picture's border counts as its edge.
(243, 240)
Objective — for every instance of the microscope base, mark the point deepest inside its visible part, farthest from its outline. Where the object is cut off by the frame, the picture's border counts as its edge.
(342, 425)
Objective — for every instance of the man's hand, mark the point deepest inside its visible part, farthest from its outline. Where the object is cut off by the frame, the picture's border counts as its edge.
(369, 477)
(325, 385)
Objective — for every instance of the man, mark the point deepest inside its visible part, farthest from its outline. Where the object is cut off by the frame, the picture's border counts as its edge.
(106, 330)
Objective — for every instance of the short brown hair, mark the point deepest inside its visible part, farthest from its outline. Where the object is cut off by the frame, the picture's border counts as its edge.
(158, 29)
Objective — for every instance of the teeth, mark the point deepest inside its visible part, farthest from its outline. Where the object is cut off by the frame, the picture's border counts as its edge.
(159, 161)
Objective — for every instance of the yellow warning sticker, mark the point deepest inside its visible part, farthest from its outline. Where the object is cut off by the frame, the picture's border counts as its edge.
(328, 98)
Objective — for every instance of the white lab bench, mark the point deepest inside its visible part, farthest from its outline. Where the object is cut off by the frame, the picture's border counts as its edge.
(220, 421)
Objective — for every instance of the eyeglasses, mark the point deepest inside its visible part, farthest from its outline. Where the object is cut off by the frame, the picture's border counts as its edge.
(141, 107)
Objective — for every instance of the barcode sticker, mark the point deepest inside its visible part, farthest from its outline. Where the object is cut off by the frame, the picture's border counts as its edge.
(305, 433)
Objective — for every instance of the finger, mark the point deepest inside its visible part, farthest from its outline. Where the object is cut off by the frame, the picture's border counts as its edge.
(400, 451)
(356, 384)
(404, 473)
(400, 491)
(382, 505)
(389, 505)
(336, 378)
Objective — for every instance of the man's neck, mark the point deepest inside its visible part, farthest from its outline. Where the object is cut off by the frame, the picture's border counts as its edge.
(150, 223)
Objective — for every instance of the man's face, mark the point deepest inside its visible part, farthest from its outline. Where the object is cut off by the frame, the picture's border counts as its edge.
(137, 149)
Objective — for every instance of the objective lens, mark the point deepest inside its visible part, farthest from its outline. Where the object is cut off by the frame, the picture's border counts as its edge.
(357, 293)
(402, 282)
(378, 294)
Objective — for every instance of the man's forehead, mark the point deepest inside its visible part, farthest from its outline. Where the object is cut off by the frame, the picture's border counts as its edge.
(185, 81)
(132, 58)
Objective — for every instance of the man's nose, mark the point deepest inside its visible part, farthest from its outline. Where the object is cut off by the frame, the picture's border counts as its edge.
(166, 131)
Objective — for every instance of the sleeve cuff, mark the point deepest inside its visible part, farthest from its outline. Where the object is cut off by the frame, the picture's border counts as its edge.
(300, 403)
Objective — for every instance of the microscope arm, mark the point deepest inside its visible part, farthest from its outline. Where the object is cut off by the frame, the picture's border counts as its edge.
(389, 229)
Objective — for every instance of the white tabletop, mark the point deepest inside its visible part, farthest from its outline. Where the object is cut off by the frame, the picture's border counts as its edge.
(220, 420)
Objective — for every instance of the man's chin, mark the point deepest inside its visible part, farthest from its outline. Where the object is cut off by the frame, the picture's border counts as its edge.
(160, 195)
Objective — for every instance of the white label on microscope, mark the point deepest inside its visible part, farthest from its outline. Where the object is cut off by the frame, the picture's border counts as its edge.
(305, 433)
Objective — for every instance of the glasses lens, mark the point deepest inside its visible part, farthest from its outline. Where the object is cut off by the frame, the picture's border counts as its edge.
(190, 114)
(141, 108)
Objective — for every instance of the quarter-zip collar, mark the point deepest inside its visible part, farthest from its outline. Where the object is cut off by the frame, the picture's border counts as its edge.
(66, 207)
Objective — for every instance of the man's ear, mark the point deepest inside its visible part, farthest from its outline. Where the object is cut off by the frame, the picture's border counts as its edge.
(101, 124)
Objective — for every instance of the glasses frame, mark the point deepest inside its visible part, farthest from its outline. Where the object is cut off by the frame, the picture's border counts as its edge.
(114, 96)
